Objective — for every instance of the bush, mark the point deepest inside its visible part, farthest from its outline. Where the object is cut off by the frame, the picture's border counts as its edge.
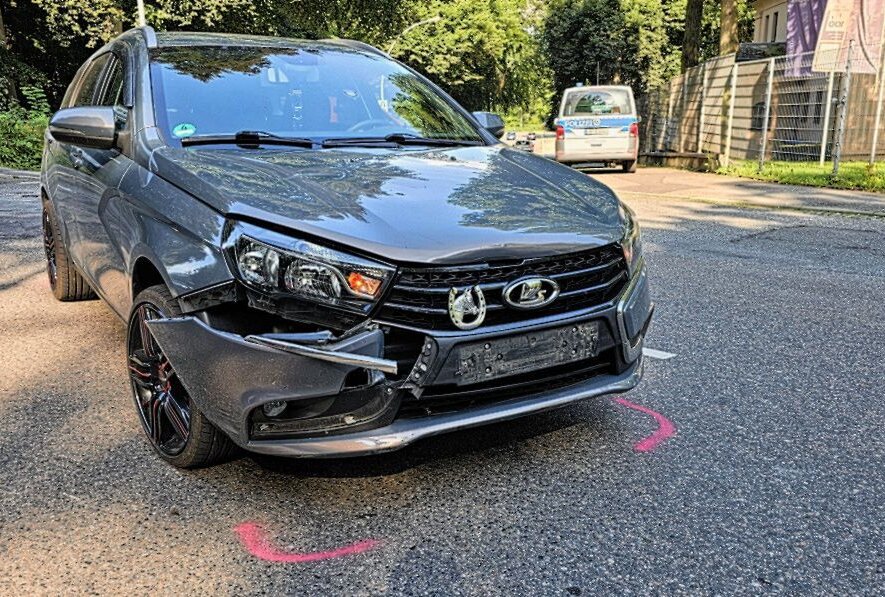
(21, 131)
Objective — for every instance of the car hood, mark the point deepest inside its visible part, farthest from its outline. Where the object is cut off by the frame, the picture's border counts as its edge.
(451, 205)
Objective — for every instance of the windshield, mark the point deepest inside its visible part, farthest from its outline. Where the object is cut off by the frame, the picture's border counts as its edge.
(595, 101)
(317, 91)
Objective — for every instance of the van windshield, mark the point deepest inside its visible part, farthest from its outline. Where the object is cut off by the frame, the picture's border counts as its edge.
(595, 101)
(318, 91)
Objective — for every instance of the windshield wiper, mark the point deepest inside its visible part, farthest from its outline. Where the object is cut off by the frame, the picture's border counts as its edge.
(398, 139)
(248, 139)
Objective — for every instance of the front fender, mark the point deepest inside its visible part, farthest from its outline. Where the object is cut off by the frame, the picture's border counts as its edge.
(178, 234)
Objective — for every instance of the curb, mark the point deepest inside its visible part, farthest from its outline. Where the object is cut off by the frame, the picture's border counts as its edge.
(19, 174)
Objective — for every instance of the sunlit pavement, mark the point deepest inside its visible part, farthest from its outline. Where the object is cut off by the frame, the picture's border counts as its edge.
(770, 478)
(683, 185)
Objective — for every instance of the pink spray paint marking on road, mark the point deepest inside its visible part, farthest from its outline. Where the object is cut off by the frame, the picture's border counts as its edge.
(666, 429)
(256, 542)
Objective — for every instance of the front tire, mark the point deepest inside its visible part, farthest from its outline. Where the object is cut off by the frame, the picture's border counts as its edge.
(65, 281)
(176, 428)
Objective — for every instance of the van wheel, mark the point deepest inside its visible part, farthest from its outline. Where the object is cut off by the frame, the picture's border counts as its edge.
(629, 166)
(65, 281)
(176, 428)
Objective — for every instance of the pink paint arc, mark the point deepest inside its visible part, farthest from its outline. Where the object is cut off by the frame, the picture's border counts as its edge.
(256, 542)
(666, 429)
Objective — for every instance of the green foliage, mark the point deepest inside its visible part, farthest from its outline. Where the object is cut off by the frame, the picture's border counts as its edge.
(629, 42)
(482, 51)
(852, 175)
(21, 131)
(511, 56)
(710, 26)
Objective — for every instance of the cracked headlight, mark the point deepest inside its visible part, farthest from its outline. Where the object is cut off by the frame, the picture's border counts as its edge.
(632, 240)
(277, 264)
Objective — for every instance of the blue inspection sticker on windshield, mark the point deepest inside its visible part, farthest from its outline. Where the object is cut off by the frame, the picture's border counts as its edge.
(184, 129)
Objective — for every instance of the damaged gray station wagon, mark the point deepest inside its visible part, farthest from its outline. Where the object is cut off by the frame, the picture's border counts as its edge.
(319, 253)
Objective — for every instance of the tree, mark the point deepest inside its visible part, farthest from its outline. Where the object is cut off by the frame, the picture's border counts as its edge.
(728, 36)
(51, 38)
(481, 51)
(624, 41)
(691, 45)
(8, 93)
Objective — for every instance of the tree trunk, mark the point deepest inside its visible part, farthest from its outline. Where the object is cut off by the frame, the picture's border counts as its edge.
(728, 32)
(691, 45)
(7, 85)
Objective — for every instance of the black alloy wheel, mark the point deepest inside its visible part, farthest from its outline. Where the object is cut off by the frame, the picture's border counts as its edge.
(49, 247)
(179, 432)
(65, 281)
(162, 402)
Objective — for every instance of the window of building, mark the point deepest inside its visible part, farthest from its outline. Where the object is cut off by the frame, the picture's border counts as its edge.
(766, 30)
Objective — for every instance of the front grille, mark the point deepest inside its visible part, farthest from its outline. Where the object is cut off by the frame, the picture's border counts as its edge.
(419, 296)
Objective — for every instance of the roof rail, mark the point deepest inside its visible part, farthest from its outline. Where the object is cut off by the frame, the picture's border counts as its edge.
(356, 44)
(150, 36)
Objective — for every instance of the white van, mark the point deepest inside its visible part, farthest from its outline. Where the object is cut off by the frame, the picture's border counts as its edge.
(598, 124)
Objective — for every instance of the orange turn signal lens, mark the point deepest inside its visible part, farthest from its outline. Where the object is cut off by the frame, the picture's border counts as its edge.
(362, 284)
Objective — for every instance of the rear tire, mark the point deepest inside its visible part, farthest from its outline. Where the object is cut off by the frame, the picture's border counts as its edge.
(65, 281)
(175, 426)
(629, 166)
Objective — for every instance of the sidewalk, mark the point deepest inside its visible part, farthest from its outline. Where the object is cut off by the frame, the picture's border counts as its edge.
(728, 190)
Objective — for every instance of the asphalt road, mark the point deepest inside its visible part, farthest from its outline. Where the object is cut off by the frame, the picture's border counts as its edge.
(773, 481)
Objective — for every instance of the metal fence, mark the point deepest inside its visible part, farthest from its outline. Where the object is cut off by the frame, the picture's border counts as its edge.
(774, 109)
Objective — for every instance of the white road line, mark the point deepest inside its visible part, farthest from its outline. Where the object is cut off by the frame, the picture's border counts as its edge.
(657, 354)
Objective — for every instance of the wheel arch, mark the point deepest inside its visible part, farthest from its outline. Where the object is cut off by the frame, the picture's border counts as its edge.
(144, 275)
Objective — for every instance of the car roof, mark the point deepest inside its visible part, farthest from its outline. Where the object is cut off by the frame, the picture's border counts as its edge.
(177, 39)
(584, 87)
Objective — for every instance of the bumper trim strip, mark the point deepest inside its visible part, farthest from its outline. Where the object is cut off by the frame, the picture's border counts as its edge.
(332, 356)
(403, 432)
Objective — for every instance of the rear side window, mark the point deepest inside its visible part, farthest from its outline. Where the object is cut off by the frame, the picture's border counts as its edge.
(90, 80)
(112, 95)
(586, 102)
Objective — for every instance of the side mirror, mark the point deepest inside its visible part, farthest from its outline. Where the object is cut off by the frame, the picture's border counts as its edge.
(85, 126)
(491, 122)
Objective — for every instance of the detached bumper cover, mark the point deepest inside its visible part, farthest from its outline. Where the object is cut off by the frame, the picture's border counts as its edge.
(229, 376)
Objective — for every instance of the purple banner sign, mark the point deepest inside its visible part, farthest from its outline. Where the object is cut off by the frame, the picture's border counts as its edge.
(804, 18)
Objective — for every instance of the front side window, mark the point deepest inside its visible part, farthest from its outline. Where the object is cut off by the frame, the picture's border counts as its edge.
(596, 102)
(318, 91)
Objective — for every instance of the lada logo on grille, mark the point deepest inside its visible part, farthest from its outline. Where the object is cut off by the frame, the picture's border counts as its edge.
(531, 293)
(467, 308)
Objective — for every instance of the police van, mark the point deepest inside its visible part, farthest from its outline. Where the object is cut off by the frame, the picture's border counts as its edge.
(598, 124)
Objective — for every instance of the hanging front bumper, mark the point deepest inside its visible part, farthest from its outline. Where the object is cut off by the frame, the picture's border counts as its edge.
(230, 377)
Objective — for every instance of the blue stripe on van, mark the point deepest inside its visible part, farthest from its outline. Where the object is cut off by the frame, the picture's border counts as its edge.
(570, 123)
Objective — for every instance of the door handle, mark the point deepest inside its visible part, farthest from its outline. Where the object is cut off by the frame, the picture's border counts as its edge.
(77, 158)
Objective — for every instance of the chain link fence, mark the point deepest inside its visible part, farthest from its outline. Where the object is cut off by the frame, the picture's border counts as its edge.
(773, 109)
